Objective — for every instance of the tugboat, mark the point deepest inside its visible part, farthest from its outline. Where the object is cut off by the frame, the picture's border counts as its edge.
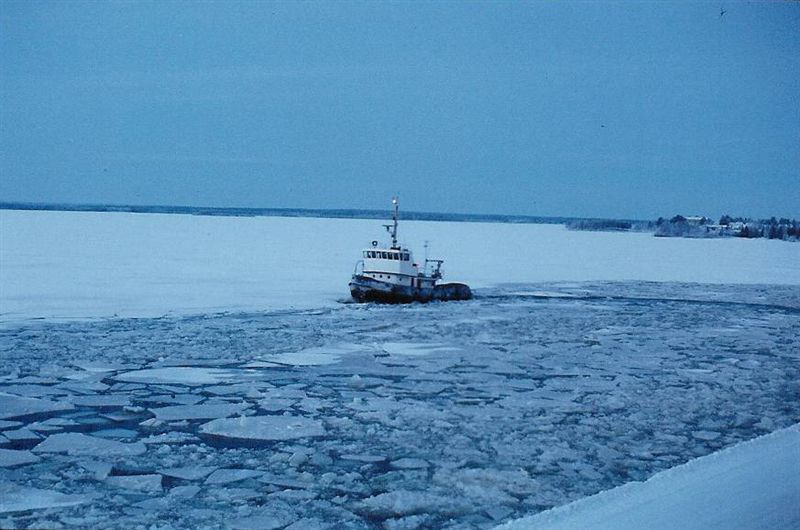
(390, 275)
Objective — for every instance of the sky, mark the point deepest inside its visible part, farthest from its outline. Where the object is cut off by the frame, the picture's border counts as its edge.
(590, 109)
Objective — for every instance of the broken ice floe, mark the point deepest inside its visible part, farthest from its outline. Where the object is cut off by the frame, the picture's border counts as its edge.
(188, 472)
(82, 444)
(179, 375)
(387, 417)
(11, 458)
(199, 412)
(16, 498)
(141, 483)
(268, 428)
(12, 406)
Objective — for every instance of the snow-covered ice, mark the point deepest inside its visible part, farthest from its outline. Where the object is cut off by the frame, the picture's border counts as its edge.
(86, 264)
(266, 428)
(302, 412)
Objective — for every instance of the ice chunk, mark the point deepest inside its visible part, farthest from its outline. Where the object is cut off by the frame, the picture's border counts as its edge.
(188, 473)
(116, 433)
(143, 483)
(264, 427)
(199, 412)
(16, 498)
(414, 349)
(409, 463)
(404, 502)
(180, 375)
(706, 435)
(187, 492)
(99, 469)
(22, 435)
(10, 458)
(99, 367)
(16, 406)
(276, 404)
(267, 519)
(226, 476)
(307, 523)
(174, 437)
(101, 400)
(367, 459)
(74, 443)
(310, 357)
(44, 427)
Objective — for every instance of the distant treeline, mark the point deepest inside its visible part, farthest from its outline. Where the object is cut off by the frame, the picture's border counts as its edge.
(700, 226)
(611, 225)
(288, 212)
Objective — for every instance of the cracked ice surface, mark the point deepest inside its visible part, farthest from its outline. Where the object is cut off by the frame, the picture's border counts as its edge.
(458, 415)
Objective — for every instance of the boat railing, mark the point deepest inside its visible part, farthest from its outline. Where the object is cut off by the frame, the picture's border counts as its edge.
(355, 269)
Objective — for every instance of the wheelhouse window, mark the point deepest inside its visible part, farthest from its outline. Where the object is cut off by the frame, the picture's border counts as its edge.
(405, 256)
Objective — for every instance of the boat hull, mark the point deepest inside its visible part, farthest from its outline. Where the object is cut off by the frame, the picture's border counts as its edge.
(366, 289)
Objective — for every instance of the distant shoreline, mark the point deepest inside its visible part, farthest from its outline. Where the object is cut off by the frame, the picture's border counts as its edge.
(295, 212)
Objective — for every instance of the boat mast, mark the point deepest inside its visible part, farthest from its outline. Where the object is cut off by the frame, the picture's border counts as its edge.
(392, 229)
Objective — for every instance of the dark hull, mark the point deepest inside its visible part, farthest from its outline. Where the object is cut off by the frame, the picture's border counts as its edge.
(364, 289)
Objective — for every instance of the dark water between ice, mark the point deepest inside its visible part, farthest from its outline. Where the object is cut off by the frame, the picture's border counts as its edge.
(443, 415)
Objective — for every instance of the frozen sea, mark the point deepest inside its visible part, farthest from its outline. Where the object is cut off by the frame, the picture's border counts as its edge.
(166, 371)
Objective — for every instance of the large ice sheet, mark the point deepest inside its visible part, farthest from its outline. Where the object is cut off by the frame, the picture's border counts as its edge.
(16, 498)
(81, 264)
(12, 406)
(179, 375)
(264, 427)
(203, 411)
(74, 443)
(11, 458)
